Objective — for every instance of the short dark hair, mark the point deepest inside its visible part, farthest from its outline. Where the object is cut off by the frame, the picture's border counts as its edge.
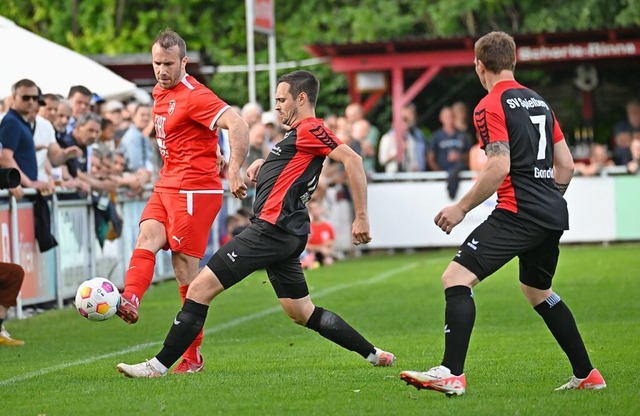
(27, 83)
(52, 97)
(79, 89)
(497, 51)
(302, 81)
(168, 38)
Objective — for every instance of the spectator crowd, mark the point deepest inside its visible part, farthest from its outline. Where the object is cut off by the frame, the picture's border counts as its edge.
(94, 148)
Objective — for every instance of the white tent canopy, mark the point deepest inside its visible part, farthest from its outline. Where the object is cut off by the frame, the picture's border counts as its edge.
(53, 67)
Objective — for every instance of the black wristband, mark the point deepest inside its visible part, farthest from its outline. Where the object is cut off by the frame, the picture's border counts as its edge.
(562, 187)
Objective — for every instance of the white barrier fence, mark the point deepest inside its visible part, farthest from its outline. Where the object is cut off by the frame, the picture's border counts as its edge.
(401, 208)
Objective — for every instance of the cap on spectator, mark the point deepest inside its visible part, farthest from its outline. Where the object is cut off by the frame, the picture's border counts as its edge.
(268, 117)
(96, 99)
(41, 100)
(113, 105)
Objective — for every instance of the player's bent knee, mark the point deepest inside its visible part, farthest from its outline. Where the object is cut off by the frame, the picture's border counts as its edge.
(205, 287)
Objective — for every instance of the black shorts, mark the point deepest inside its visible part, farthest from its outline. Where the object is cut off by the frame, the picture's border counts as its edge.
(503, 236)
(263, 246)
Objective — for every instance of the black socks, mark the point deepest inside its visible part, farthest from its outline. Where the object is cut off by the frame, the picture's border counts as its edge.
(184, 330)
(560, 322)
(459, 317)
(335, 329)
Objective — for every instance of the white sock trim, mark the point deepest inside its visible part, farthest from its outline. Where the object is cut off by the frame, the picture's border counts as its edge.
(160, 368)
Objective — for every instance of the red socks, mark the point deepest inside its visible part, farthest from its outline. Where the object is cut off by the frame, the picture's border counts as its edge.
(139, 275)
(193, 352)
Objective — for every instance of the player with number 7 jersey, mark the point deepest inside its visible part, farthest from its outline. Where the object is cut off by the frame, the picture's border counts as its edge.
(519, 116)
(529, 165)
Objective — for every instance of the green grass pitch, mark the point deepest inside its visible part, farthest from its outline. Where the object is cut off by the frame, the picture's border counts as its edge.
(258, 362)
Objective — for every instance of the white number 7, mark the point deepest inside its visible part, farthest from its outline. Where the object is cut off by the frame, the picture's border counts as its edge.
(540, 121)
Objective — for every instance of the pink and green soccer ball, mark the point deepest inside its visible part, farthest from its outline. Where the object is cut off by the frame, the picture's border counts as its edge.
(97, 299)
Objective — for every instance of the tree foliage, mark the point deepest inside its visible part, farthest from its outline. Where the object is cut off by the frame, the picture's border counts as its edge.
(218, 28)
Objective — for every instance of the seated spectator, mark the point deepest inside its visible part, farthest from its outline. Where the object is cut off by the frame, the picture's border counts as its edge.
(322, 237)
(11, 277)
(634, 165)
(598, 159)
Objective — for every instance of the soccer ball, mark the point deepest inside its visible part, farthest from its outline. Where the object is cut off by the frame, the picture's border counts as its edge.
(97, 299)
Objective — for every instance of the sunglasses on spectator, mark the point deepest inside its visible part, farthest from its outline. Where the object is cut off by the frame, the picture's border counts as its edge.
(30, 97)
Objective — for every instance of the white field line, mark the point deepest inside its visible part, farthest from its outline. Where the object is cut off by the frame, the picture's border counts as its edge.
(233, 323)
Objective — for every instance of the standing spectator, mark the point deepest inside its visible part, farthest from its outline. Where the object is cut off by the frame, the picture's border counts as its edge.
(251, 113)
(449, 147)
(634, 165)
(359, 132)
(449, 150)
(528, 221)
(80, 100)
(11, 277)
(16, 137)
(623, 133)
(632, 121)
(278, 233)
(188, 195)
(114, 110)
(135, 145)
(415, 135)
(461, 120)
(407, 156)
(62, 120)
(84, 135)
(49, 109)
(107, 131)
(354, 112)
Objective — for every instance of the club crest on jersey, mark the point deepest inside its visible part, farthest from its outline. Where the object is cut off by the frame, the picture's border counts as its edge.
(172, 106)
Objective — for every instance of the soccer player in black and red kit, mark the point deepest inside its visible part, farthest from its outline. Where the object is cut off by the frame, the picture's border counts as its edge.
(278, 232)
(530, 166)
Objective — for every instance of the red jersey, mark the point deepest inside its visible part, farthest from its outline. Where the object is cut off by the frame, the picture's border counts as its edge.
(290, 174)
(185, 119)
(321, 232)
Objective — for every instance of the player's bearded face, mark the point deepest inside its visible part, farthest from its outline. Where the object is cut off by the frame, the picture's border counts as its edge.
(167, 65)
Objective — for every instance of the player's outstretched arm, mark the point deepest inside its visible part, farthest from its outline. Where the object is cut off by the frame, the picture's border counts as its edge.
(360, 231)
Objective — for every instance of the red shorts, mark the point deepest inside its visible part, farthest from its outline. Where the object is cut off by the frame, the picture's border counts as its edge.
(187, 217)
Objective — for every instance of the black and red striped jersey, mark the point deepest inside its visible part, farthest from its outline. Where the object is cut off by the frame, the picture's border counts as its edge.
(515, 114)
(289, 175)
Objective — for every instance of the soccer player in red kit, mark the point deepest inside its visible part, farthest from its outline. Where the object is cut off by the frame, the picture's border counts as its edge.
(285, 182)
(188, 194)
(530, 166)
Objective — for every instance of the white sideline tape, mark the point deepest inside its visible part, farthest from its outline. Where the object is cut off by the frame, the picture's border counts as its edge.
(233, 323)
